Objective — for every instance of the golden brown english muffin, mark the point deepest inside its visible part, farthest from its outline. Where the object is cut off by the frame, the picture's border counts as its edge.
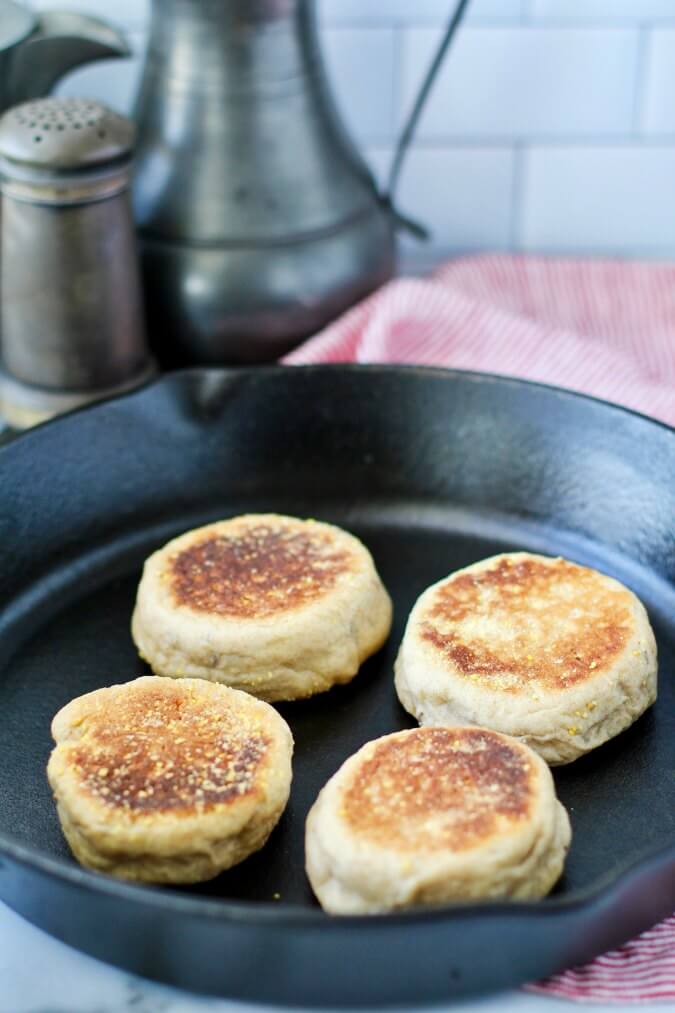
(168, 782)
(276, 606)
(435, 815)
(553, 653)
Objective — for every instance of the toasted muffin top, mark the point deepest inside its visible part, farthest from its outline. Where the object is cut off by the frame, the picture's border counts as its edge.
(258, 565)
(157, 746)
(521, 620)
(433, 789)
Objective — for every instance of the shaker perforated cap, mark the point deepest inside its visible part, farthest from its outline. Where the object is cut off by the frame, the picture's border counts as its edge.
(64, 134)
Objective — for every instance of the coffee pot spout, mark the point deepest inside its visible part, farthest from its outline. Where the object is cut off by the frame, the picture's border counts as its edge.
(60, 42)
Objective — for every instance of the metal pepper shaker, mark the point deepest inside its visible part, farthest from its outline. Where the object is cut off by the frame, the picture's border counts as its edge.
(71, 324)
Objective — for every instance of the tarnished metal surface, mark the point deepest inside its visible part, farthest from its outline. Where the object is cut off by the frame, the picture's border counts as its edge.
(259, 219)
(71, 314)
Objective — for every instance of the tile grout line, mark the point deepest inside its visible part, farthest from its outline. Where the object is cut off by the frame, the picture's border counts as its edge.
(641, 74)
(527, 12)
(526, 21)
(517, 194)
(638, 251)
(575, 142)
(397, 90)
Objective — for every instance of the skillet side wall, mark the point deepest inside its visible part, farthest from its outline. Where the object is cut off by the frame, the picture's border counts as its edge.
(374, 962)
(195, 438)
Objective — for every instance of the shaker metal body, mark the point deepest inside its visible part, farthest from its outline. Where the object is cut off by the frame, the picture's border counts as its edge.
(71, 323)
(259, 219)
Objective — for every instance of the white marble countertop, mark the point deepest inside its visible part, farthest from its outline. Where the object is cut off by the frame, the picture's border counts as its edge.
(40, 975)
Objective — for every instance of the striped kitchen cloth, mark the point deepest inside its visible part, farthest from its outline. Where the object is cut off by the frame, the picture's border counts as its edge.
(603, 327)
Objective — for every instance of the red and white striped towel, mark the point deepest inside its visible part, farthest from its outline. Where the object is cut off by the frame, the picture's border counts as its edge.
(604, 327)
(641, 971)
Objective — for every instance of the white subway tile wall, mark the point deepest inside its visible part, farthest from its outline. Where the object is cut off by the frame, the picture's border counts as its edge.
(658, 97)
(633, 10)
(461, 193)
(525, 82)
(616, 198)
(362, 63)
(552, 126)
(414, 11)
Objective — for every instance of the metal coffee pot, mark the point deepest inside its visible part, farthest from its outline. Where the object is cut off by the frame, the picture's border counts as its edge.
(35, 51)
(259, 219)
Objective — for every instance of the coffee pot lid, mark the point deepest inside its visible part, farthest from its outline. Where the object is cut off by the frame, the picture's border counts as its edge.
(64, 134)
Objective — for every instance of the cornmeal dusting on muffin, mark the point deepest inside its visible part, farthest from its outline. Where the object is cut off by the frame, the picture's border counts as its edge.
(153, 751)
(257, 571)
(436, 789)
(527, 622)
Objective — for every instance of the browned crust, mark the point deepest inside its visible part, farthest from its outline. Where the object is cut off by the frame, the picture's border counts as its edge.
(152, 750)
(439, 788)
(566, 624)
(257, 570)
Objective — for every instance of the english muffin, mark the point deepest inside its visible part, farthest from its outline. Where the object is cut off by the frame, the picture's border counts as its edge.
(276, 606)
(555, 654)
(168, 782)
(435, 815)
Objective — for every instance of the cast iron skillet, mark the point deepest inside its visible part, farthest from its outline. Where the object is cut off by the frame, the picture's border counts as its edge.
(433, 470)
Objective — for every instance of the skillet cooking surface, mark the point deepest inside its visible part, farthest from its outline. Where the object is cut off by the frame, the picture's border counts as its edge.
(433, 470)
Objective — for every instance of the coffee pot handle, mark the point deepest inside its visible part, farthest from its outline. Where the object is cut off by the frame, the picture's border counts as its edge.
(407, 134)
(60, 42)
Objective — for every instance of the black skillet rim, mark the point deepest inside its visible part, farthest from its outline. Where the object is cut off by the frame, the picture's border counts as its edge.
(170, 901)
